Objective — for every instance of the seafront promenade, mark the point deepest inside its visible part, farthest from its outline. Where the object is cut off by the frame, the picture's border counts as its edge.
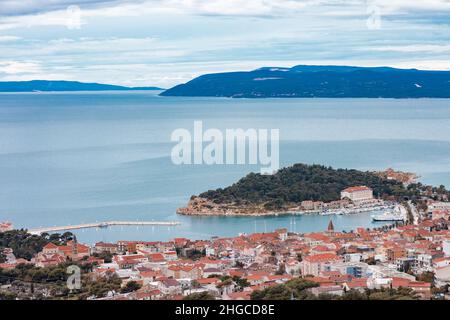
(102, 225)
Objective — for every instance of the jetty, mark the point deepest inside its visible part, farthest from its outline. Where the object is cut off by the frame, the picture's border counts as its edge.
(102, 225)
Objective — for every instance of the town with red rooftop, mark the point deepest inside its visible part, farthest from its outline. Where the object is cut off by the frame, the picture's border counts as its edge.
(408, 256)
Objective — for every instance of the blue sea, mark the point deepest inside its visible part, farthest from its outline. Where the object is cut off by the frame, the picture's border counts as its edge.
(69, 158)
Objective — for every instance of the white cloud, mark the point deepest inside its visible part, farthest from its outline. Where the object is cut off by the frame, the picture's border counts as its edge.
(407, 6)
(222, 7)
(165, 42)
(19, 67)
(431, 48)
(8, 38)
(424, 64)
(29, 13)
(23, 7)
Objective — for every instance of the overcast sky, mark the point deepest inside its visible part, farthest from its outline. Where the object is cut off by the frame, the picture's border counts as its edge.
(166, 42)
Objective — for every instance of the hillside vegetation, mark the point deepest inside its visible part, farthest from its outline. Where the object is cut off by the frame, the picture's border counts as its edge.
(303, 182)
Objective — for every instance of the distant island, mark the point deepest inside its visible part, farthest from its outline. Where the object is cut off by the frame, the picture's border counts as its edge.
(319, 82)
(304, 187)
(49, 86)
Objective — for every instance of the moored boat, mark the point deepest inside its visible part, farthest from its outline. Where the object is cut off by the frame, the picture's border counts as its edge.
(387, 216)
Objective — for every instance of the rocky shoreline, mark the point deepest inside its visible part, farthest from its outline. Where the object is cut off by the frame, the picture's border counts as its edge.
(198, 206)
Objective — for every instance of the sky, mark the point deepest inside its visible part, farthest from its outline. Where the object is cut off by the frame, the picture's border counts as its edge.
(167, 42)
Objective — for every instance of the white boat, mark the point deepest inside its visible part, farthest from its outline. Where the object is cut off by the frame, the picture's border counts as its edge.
(387, 216)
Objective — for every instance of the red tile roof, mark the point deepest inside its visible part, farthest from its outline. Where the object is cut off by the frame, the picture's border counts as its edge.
(156, 257)
(419, 284)
(322, 257)
(357, 283)
(356, 189)
(239, 295)
(50, 245)
(208, 280)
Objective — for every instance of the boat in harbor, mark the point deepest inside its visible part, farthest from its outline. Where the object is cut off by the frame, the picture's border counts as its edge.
(388, 216)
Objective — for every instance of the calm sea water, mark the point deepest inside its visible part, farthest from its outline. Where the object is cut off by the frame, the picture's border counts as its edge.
(68, 158)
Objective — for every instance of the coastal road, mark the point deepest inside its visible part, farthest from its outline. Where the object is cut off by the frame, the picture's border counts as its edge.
(414, 212)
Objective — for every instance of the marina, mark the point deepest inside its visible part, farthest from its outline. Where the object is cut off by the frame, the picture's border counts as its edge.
(343, 211)
(349, 211)
(398, 214)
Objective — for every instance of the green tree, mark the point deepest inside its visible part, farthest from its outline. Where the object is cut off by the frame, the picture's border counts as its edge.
(291, 185)
(427, 276)
(200, 296)
(295, 288)
(130, 286)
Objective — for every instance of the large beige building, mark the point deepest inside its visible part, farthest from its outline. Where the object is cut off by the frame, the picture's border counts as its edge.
(357, 194)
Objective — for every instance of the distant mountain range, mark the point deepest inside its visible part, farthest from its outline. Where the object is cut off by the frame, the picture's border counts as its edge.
(44, 85)
(319, 81)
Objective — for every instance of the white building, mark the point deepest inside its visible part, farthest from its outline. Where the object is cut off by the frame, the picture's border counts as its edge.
(442, 276)
(357, 194)
(440, 206)
(353, 257)
(446, 247)
(384, 271)
(424, 262)
(355, 269)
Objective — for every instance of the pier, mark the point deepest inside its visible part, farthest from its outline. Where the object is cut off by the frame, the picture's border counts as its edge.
(102, 225)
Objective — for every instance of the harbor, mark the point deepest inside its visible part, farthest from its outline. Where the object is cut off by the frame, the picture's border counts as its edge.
(330, 212)
(398, 214)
